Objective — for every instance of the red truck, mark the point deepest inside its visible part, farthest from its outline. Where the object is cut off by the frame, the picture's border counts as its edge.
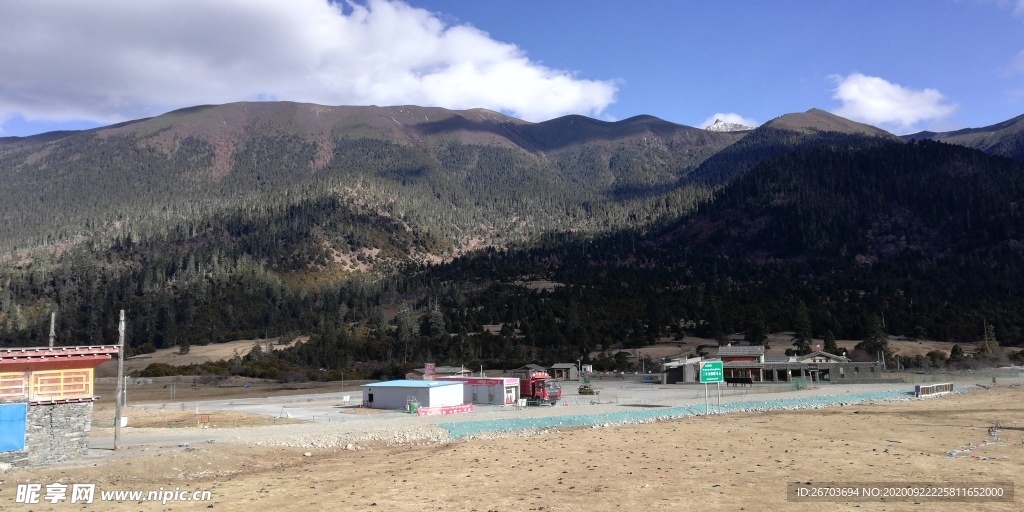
(539, 387)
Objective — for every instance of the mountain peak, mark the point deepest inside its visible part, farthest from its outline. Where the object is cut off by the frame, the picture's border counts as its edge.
(722, 126)
(817, 120)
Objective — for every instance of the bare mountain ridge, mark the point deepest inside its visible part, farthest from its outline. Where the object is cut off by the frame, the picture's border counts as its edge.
(226, 125)
(404, 123)
(816, 120)
(1005, 138)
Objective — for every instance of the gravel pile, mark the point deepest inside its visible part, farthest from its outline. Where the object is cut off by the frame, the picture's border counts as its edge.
(385, 435)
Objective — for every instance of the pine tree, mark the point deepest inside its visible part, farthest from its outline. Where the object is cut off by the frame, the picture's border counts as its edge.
(755, 333)
(436, 323)
(830, 343)
(956, 354)
(989, 346)
(802, 337)
(877, 340)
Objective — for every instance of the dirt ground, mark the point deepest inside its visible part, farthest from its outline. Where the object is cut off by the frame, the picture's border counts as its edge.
(173, 414)
(739, 462)
(197, 354)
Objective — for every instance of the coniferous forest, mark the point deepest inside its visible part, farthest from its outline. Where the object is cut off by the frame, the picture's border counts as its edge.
(392, 248)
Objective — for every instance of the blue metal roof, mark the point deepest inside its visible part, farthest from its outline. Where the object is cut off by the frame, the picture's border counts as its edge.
(413, 384)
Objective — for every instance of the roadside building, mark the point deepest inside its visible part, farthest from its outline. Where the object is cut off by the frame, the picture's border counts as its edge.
(682, 370)
(529, 369)
(742, 364)
(398, 394)
(820, 356)
(564, 371)
(749, 365)
(46, 398)
(487, 390)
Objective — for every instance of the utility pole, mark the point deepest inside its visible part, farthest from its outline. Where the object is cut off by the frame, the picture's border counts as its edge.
(120, 383)
(53, 328)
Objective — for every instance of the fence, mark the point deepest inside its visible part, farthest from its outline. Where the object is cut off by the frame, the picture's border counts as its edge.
(934, 389)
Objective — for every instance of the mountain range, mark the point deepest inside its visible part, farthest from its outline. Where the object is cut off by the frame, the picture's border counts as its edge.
(491, 171)
(248, 219)
(188, 164)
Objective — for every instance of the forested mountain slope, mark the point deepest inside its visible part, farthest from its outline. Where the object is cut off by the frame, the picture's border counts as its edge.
(926, 237)
(458, 175)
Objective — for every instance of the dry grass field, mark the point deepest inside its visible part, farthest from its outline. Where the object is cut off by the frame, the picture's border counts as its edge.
(197, 354)
(174, 412)
(737, 462)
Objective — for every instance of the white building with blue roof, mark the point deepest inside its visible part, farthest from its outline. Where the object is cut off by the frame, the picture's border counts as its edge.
(397, 394)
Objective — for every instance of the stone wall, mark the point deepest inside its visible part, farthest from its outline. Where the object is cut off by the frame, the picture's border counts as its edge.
(54, 433)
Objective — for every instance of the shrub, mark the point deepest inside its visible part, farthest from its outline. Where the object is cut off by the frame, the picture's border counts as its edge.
(160, 370)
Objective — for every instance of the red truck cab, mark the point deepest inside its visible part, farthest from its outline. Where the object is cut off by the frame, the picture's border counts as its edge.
(540, 387)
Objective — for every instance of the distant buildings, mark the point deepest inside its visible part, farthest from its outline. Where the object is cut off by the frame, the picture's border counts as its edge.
(748, 364)
(428, 373)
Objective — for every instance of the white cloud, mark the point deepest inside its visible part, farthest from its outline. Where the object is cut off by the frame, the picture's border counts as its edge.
(1017, 66)
(1016, 5)
(111, 60)
(730, 117)
(875, 101)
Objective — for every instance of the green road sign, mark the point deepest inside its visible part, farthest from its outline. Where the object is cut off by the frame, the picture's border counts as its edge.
(711, 372)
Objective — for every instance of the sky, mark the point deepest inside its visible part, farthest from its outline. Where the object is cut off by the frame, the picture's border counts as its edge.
(904, 66)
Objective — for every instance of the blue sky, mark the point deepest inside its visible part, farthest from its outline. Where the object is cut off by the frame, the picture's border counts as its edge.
(903, 65)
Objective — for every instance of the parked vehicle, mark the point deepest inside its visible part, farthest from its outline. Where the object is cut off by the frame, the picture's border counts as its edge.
(587, 390)
(538, 387)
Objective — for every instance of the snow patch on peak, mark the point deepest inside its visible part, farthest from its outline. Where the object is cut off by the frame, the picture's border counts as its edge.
(722, 126)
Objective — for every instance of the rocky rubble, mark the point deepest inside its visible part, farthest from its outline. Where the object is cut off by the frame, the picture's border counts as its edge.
(385, 435)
